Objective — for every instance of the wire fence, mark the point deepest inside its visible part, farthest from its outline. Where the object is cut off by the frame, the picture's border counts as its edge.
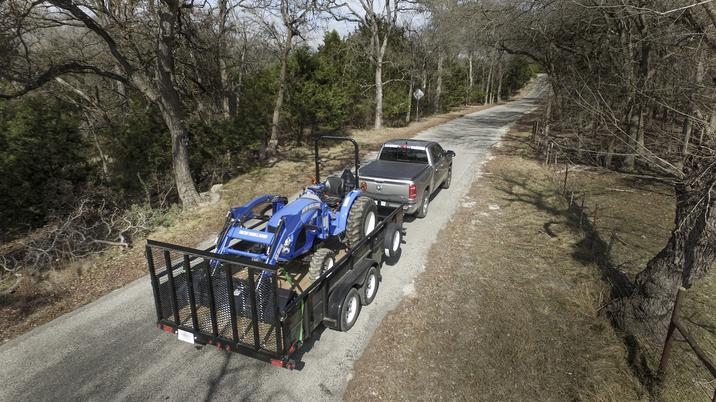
(691, 373)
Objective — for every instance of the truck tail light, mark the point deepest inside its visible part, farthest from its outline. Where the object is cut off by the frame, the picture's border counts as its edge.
(412, 192)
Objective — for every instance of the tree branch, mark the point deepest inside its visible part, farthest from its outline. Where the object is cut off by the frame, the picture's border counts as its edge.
(57, 71)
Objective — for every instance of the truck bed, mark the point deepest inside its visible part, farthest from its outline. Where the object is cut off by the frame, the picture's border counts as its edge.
(392, 170)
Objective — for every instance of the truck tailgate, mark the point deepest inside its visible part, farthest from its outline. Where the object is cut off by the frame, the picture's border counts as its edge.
(386, 189)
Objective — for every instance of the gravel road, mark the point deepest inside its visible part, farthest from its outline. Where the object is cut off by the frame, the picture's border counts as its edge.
(111, 350)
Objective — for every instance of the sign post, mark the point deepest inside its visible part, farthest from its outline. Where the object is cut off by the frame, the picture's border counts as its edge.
(417, 94)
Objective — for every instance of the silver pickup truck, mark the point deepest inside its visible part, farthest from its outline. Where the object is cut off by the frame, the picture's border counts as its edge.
(407, 171)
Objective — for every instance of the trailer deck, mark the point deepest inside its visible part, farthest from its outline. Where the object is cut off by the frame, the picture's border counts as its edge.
(248, 307)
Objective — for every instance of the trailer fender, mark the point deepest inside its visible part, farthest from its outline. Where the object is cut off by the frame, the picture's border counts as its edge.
(353, 279)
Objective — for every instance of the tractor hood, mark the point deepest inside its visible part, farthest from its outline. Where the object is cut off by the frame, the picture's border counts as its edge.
(294, 210)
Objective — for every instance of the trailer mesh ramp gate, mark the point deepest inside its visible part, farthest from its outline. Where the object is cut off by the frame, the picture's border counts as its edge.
(234, 305)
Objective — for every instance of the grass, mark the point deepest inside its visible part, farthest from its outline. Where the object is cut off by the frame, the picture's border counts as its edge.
(505, 311)
(509, 310)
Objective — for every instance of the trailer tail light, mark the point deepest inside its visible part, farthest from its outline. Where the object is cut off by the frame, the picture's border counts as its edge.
(412, 192)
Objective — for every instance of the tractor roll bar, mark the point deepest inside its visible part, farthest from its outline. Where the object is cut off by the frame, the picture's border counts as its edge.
(336, 138)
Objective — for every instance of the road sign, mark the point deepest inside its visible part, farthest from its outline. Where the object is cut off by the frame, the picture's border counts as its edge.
(417, 94)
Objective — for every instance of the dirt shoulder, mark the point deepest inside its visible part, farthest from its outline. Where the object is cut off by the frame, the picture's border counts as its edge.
(40, 300)
(506, 308)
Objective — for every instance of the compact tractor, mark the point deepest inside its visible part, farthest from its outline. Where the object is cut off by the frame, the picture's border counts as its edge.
(282, 231)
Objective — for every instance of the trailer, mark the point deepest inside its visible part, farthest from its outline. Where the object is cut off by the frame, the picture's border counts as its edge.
(267, 311)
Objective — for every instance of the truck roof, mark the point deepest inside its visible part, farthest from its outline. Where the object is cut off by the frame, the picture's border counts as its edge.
(409, 143)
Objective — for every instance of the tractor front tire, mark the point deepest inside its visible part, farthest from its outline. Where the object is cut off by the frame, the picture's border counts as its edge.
(362, 220)
(323, 260)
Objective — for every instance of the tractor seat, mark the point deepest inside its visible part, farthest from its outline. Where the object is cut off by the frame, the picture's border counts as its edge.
(334, 187)
(349, 181)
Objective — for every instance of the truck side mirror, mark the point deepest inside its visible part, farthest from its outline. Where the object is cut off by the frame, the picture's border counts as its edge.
(451, 154)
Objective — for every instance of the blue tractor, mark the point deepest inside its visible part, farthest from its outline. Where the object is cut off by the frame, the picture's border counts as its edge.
(271, 230)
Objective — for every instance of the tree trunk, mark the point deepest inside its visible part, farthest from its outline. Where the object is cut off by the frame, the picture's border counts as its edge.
(610, 152)
(709, 131)
(273, 141)
(632, 126)
(227, 88)
(488, 84)
(640, 132)
(470, 78)
(378, 123)
(379, 46)
(686, 135)
(687, 257)
(499, 82)
(410, 99)
(169, 103)
(439, 82)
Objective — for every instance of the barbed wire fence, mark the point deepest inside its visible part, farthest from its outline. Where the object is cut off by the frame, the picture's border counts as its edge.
(692, 371)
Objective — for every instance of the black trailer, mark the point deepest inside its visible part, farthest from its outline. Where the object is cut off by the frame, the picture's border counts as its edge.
(263, 311)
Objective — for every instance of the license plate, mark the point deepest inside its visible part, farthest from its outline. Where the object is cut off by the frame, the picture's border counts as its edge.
(185, 336)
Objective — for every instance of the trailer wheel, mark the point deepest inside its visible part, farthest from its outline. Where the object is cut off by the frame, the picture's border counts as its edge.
(448, 179)
(350, 309)
(392, 243)
(423, 210)
(370, 286)
(362, 219)
(323, 260)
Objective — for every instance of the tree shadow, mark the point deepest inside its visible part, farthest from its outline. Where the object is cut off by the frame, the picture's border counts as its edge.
(591, 249)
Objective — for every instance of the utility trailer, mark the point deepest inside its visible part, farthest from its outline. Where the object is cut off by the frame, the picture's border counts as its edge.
(264, 311)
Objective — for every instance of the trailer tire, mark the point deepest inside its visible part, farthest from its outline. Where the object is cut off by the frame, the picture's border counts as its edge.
(362, 220)
(350, 309)
(370, 286)
(423, 210)
(323, 260)
(392, 243)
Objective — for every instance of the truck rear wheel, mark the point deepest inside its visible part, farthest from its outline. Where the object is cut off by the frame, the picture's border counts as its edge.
(448, 179)
(423, 210)
(350, 310)
(323, 260)
(362, 219)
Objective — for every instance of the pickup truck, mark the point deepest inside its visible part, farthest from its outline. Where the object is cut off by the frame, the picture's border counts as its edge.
(407, 172)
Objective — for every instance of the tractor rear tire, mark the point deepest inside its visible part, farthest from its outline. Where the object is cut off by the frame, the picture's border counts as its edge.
(323, 260)
(362, 220)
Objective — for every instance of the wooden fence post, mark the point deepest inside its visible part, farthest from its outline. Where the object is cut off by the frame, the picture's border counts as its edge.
(666, 352)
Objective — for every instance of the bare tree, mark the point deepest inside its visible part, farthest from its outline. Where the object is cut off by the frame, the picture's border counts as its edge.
(611, 64)
(285, 21)
(381, 19)
(133, 44)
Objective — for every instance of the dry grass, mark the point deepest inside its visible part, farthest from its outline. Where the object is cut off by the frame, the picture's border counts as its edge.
(635, 215)
(505, 311)
(509, 310)
(39, 300)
